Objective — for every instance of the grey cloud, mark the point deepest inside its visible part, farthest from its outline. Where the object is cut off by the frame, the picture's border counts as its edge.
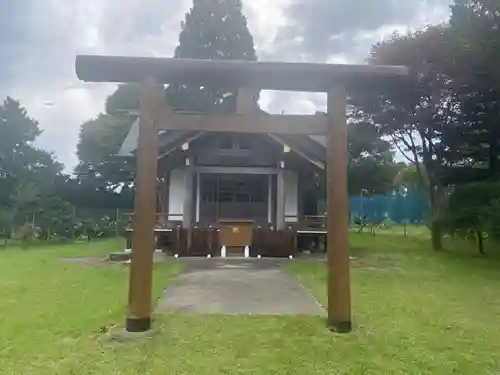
(131, 20)
(28, 29)
(319, 28)
(39, 41)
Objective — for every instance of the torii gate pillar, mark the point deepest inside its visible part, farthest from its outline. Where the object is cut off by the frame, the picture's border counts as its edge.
(338, 284)
(143, 239)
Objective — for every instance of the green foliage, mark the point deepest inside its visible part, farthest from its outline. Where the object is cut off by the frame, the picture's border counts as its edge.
(23, 198)
(474, 29)
(410, 178)
(473, 212)
(36, 199)
(17, 127)
(417, 127)
(126, 97)
(214, 30)
(55, 217)
(20, 162)
(28, 176)
(371, 161)
(99, 143)
(100, 140)
(6, 222)
(371, 169)
(27, 233)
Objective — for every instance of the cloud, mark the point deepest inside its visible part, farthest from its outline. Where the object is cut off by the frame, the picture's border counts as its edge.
(340, 31)
(40, 39)
(321, 28)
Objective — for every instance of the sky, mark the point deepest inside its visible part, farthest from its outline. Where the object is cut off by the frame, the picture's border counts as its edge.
(40, 39)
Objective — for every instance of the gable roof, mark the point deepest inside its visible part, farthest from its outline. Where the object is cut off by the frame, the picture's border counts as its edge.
(312, 147)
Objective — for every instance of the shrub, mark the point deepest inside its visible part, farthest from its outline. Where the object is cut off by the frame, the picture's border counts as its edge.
(473, 212)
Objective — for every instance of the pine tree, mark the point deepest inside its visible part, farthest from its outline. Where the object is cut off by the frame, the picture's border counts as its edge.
(216, 30)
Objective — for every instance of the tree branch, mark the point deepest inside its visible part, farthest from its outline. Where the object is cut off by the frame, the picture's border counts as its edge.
(401, 150)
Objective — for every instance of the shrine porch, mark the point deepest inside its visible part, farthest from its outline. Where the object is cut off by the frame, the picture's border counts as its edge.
(234, 237)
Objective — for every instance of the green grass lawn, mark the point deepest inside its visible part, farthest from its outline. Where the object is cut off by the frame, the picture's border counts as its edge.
(415, 312)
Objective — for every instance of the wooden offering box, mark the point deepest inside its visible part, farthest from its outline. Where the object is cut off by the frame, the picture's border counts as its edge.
(235, 233)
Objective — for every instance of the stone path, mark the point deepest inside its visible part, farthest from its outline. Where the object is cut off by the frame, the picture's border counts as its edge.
(237, 286)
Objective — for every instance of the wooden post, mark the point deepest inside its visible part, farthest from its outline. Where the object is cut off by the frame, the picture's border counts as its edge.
(280, 199)
(166, 194)
(188, 197)
(128, 237)
(198, 196)
(339, 295)
(245, 103)
(143, 238)
(269, 200)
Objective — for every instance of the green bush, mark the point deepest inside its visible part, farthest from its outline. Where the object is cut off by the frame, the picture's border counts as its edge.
(472, 212)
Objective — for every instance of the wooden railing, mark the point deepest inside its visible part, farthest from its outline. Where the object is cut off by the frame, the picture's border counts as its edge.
(163, 220)
(313, 222)
(306, 222)
(171, 221)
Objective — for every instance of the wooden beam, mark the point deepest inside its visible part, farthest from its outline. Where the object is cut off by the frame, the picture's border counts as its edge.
(244, 102)
(143, 239)
(166, 192)
(187, 218)
(224, 73)
(256, 124)
(177, 143)
(317, 163)
(269, 199)
(236, 170)
(339, 295)
(198, 197)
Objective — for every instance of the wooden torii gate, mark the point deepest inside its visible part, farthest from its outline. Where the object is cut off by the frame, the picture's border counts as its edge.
(155, 116)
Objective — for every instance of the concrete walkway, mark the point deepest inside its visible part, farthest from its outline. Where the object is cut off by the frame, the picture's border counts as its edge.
(237, 286)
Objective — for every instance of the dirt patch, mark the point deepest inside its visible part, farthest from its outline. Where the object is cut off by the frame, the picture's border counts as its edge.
(375, 263)
(362, 259)
(91, 262)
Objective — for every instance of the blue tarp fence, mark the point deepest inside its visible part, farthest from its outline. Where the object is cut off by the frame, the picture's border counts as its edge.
(399, 207)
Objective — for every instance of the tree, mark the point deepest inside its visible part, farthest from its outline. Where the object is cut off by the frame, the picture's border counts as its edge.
(211, 30)
(97, 149)
(474, 32)
(23, 201)
(214, 30)
(6, 224)
(417, 130)
(18, 133)
(409, 178)
(100, 140)
(20, 161)
(54, 216)
(127, 97)
(371, 166)
(473, 212)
